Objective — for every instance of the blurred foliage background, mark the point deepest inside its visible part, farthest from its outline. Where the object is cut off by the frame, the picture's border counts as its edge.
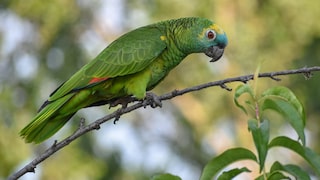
(42, 43)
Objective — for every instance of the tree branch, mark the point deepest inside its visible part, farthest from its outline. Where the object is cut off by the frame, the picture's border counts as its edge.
(138, 104)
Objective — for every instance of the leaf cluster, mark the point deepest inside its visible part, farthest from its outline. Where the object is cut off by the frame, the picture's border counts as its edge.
(284, 102)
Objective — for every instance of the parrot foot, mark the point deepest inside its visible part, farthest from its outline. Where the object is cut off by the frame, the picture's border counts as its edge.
(124, 101)
(153, 100)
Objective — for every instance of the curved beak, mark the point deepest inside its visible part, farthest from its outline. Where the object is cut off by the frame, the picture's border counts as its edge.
(215, 52)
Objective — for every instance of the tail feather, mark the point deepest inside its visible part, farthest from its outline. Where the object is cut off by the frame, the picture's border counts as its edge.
(47, 122)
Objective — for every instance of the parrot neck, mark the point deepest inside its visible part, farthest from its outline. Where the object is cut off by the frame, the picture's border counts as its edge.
(179, 33)
(172, 57)
(173, 54)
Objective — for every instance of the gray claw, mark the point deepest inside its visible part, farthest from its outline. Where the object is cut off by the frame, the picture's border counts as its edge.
(124, 101)
(153, 100)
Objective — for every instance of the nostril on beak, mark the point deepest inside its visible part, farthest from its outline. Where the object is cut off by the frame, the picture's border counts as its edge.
(222, 45)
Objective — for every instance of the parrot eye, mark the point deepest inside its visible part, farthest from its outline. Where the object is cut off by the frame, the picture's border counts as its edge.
(211, 34)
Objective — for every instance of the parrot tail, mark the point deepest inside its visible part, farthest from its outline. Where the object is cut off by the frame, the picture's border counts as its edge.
(48, 121)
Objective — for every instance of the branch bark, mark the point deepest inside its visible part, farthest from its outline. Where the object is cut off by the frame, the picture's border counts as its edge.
(83, 129)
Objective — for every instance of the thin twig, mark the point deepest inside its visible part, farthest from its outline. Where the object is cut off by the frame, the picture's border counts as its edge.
(138, 104)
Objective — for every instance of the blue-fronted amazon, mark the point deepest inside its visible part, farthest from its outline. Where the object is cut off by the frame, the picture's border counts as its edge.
(130, 66)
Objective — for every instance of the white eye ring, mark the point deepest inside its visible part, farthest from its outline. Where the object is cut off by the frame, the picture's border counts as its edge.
(211, 34)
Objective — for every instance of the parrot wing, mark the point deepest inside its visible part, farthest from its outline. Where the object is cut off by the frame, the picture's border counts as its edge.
(128, 54)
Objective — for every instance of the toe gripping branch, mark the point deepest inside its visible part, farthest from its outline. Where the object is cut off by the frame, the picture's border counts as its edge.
(151, 99)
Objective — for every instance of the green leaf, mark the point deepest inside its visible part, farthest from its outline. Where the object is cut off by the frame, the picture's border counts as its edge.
(288, 111)
(287, 95)
(165, 176)
(240, 90)
(230, 156)
(272, 176)
(312, 158)
(276, 176)
(261, 177)
(294, 170)
(283, 101)
(232, 173)
(261, 139)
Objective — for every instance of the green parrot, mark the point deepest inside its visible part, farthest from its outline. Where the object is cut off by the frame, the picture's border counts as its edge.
(130, 66)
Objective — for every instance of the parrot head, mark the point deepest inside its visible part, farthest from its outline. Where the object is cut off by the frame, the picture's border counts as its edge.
(214, 40)
(204, 36)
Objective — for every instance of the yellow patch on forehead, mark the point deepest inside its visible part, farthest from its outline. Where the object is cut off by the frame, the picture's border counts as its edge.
(214, 27)
(217, 29)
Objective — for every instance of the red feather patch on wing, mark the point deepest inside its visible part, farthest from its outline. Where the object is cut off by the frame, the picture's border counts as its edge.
(95, 80)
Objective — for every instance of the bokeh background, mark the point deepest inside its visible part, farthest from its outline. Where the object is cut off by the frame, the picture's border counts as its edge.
(42, 43)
